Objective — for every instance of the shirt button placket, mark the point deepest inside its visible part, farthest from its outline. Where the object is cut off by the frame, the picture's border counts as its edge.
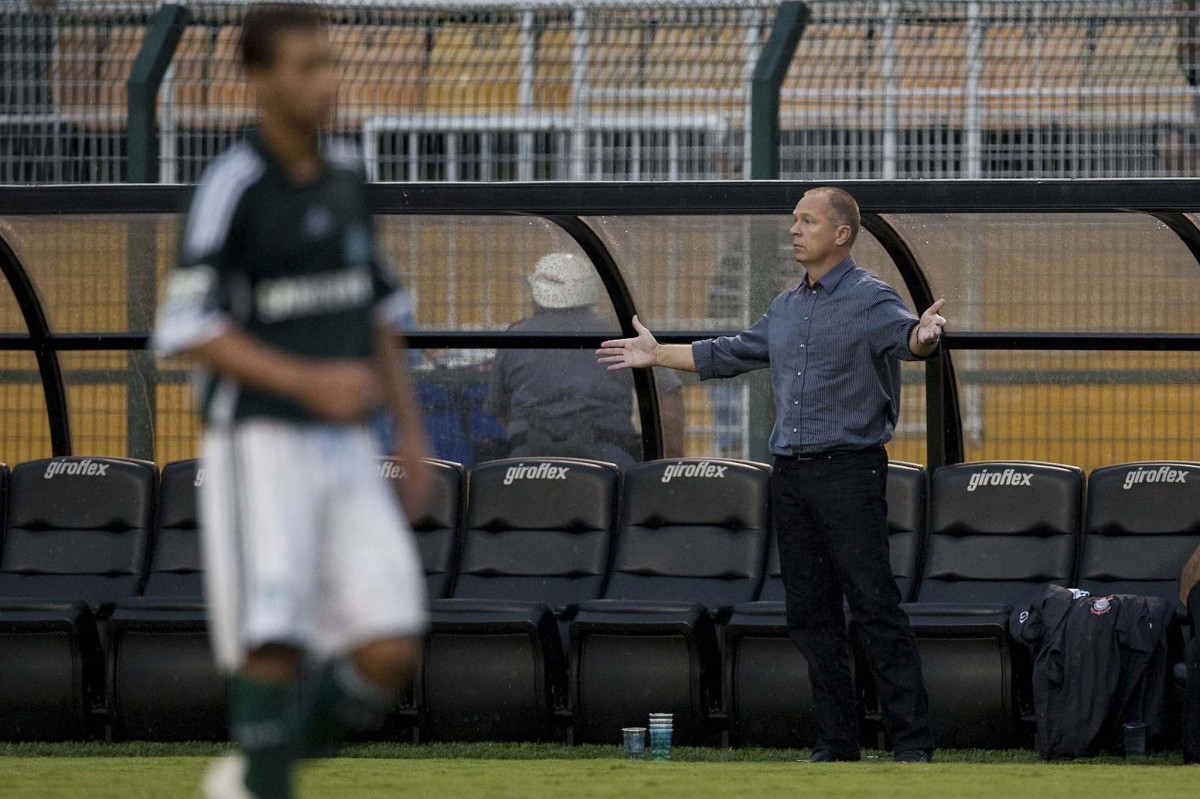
(805, 327)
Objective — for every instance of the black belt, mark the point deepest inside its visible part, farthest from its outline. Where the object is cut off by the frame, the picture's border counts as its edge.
(830, 454)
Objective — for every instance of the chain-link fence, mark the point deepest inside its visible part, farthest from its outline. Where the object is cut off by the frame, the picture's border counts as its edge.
(638, 90)
(993, 90)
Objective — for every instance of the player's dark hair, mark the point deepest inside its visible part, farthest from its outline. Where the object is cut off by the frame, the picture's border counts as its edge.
(266, 21)
(843, 208)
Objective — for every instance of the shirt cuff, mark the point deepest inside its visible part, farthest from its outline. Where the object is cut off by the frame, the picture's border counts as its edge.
(702, 355)
(395, 309)
(906, 351)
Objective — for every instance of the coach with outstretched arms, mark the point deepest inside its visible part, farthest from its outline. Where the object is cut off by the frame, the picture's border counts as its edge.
(833, 344)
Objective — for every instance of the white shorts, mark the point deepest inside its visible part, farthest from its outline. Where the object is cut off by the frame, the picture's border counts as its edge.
(303, 542)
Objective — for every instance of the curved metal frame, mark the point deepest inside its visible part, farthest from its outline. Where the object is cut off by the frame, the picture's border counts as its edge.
(943, 418)
(1182, 227)
(622, 301)
(40, 341)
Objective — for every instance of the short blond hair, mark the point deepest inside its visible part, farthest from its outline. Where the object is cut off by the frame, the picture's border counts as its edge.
(843, 208)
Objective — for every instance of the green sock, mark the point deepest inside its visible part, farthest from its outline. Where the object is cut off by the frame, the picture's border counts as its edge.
(336, 700)
(259, 720)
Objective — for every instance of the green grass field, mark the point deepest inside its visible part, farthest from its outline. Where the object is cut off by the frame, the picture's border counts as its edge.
(376, 771)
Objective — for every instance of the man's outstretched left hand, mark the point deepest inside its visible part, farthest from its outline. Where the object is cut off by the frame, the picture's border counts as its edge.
(930, 329)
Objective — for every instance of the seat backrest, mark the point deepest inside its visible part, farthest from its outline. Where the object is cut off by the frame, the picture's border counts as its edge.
(437, 529)
(78, 528)
(1142, 524)
(999, 529)
(538, 530)
(176, 570)
(906, 521)
(692, 531)
(3, 503)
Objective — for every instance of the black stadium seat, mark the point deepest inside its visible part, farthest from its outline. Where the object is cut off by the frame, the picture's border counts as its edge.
(77, 538)
(438, 530)
(997, 531)
(161, 682)
(767, 693)
(691, 544)
(537, 543)
(1143, 522)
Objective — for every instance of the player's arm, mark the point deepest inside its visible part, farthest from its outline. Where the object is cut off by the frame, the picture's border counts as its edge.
(193, 322)
(393, 313)
(391, 357)
(337, 390)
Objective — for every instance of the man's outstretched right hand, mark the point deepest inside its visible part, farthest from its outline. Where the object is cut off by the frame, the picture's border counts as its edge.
(630, 353)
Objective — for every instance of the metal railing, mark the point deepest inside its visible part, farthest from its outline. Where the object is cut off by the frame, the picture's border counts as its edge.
(877, 88)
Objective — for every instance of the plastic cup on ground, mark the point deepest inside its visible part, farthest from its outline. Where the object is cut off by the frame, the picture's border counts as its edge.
(1135, 741)
(635, 742)
(661, 729)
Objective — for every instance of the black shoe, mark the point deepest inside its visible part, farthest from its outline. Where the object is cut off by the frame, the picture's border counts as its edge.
(913, 756)
(825, 756)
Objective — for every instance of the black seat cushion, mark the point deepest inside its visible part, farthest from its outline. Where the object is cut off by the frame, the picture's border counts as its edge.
(78, 528)
(1143, 522)
(437, 529)
(50, 669)
(906, 521)
(1000, 529)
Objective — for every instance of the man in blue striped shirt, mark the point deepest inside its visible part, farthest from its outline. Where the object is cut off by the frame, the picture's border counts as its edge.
(833, 345)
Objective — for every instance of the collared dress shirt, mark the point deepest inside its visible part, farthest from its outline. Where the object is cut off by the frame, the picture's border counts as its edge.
(834, 349)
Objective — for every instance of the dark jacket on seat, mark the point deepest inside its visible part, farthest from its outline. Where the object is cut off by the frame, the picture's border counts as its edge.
(1099, 662)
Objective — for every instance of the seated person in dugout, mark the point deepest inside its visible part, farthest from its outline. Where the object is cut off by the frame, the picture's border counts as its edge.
(560, 402)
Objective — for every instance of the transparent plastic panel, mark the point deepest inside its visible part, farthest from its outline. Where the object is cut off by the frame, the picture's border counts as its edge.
(478, 273)
(95, 274)
(1057, 272)
(98, 386)
(11, 319)
(1082, 408)
(24, 426)
(176, 420)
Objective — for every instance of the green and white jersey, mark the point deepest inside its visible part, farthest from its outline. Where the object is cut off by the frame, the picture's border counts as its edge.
(294, 265)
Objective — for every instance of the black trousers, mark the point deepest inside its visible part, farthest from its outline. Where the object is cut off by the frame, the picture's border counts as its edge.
(830, 518)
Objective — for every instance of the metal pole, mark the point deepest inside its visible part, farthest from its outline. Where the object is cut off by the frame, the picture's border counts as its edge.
(974, 154)
(891, 94)
(149, 70)
(143, 83)
(579, 20)
(753, 51)
(525, 138)
(765, 84)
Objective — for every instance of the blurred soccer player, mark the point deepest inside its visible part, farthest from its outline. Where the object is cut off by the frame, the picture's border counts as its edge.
(282, 301)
